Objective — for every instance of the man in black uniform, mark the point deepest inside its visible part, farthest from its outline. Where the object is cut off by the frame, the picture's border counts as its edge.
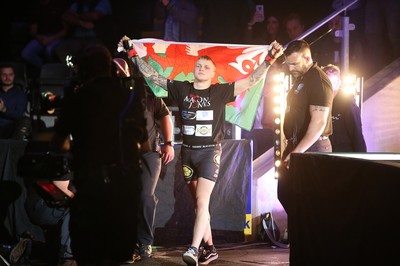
(104, 126)
(307, 124)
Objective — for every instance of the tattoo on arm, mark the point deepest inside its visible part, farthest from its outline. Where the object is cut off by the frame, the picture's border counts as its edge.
(150, 73)
(259, 72)
(317, 108)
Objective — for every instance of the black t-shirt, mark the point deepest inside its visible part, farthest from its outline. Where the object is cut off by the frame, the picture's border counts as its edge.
(202, 111)
(313, 88)
(155, 109)
(102, 123)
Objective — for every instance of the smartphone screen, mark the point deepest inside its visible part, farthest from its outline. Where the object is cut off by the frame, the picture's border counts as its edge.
(259, 13)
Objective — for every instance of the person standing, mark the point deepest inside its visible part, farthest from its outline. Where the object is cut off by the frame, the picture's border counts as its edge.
(103, 125)
(347, 133)
(158, 120)
(202, 108)
(307, 124)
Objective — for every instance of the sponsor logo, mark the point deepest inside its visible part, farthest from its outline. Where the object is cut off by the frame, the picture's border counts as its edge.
(204, 115)
(195, 101)
(187, 115)
(188, 130)
(299, 87)
(187, 172)
(203, 130)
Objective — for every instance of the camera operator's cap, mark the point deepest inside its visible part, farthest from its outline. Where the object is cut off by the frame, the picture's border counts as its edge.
(122, 67)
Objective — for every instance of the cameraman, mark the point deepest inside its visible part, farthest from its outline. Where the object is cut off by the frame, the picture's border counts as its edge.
(103, 125)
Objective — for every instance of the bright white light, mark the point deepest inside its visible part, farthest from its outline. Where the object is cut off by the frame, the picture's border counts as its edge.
(350, 84)
(277, 110)
(278, 88)
(276, 174)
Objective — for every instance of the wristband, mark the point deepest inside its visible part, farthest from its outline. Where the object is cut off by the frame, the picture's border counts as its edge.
(270, 59)
(169, 143)
(132, 53)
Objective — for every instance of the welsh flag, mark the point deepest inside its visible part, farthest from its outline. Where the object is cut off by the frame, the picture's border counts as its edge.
(175, 61)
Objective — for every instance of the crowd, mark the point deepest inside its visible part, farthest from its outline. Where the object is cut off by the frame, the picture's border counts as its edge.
(122, 174)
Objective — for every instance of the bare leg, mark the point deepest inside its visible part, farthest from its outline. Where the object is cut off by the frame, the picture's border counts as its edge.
(201, 192)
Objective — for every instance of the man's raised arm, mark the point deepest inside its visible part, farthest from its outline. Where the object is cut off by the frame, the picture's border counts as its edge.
(243, 84)
(147, 71)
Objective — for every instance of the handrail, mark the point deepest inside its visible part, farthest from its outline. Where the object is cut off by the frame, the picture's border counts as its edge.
(345, 35)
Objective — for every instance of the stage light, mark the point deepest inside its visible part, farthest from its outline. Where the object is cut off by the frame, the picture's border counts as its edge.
(280, 87)
(277, 110)
(354, 85)
(277, 99)
(349, 84)
(276, 175)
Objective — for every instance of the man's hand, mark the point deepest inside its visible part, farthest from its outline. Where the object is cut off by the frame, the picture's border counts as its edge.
(275, 52)
(121, 47)
(167, 154)
(2, 106)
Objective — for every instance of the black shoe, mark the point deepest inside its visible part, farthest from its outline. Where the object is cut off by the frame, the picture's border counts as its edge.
(207, 255)
(142, 251)
(21, 251)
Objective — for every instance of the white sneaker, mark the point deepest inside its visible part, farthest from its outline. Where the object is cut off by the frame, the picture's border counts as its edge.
(190, 257)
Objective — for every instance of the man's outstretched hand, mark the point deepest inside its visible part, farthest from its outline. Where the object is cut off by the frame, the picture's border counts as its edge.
(275, 52)
(122, 47)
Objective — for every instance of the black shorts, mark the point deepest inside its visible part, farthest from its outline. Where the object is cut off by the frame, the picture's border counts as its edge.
(201, 162)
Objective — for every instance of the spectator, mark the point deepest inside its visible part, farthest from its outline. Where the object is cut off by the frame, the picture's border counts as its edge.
(85, 20)
(294, 26)
(13, 106)
(225, 21)
(47, 30)
(271, 30)
(182, 20)
(347, 133)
